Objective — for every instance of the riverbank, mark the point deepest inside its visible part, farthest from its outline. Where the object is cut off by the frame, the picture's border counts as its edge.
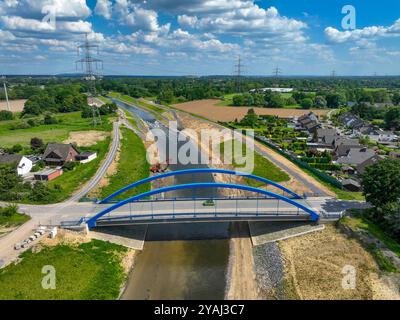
(241, 277)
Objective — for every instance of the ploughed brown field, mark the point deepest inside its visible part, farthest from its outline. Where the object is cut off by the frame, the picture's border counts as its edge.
(15, 105)
(208, 109)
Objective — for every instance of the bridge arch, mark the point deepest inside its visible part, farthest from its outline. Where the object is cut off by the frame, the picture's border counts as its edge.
(92, 221)
(200, 170)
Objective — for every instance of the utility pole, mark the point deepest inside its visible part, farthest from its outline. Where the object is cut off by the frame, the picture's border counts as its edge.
(277, 71)
(6, 94)
(238, 74)
(89, 64)
(333, 74)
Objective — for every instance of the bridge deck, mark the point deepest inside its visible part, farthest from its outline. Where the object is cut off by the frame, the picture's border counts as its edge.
(170, 211)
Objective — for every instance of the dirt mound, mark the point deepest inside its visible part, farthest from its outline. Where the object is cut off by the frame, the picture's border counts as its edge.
(315, 268)
(86, 138)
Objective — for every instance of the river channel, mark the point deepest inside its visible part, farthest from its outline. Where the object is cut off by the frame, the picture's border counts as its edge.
(180, 261)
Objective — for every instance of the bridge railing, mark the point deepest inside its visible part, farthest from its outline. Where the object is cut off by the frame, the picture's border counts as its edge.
(290, 193)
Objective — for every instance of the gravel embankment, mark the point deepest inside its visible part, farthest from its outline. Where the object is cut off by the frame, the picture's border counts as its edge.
(269, 269)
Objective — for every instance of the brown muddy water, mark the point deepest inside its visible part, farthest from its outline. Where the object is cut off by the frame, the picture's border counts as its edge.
(183, 268)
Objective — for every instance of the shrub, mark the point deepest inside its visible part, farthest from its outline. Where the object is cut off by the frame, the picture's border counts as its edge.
(6, 115)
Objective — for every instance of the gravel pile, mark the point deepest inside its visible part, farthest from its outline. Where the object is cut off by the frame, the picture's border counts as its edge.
(269, 268)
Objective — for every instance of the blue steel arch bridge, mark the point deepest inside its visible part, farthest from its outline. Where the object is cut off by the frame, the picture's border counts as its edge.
(273, 202)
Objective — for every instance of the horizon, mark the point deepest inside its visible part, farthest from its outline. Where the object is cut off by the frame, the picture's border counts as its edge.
(159, 37)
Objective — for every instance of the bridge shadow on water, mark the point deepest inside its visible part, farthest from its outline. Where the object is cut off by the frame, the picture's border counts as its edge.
(179, 231)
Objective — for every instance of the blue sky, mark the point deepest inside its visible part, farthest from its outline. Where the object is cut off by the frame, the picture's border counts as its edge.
(201, 37)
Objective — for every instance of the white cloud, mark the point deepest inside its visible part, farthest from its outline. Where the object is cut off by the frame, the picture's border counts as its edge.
(104, 8)
(249, 20)
(34, 8)
(6, 36)
(372, 32)
(23, 24)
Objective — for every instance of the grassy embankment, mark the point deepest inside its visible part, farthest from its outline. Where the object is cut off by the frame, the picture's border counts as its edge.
(262, 167)
(10, 217)
(359, 222)
(125, 98)
(132, 166)
(87, 271)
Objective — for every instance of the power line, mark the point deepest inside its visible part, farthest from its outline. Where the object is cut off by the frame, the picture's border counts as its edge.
(277, 72)
(89, 64)
(238, 73)
(5, 91)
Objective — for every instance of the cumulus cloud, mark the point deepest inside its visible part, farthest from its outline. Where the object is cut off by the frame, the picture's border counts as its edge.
(23, 24)
(104, 8)
(245, 21)
(34, 8)
(372, 32)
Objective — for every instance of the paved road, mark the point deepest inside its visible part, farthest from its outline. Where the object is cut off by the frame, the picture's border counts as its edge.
(103, 169)
(44, 214)
(55, 214)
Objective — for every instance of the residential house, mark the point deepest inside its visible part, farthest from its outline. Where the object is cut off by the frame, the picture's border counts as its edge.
(22, 164)
(351, 185)
(341, 146)
(384, 137)
(356, 156)
(57, 154)
(351, 121)
(309, 122)
(394, 154)
(362, 166)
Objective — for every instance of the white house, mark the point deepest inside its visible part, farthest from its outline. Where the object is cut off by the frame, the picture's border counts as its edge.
(280, 90)
(22, 164)
(384, 136)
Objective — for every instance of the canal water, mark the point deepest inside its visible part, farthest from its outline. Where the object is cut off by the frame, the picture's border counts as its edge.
(180, 261)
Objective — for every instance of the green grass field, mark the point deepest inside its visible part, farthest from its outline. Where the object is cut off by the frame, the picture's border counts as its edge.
(48, 133)
(228, 101)
(10, 217)
(89, 271)
(70, 181)
(262, 167)
(132, 166)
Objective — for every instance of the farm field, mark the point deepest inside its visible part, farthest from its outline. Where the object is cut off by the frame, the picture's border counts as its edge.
(15, 105)
(208, 109)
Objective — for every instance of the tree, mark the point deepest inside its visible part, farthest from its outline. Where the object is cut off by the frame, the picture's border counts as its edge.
(48, 119)
(250, 119)
(335, 100)
(396, 98)
(392, 118)
(306, 103)
(320, 102)
(381, 182)
(36, 143)
(238, 100)
(6, 115)
(391, 216)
